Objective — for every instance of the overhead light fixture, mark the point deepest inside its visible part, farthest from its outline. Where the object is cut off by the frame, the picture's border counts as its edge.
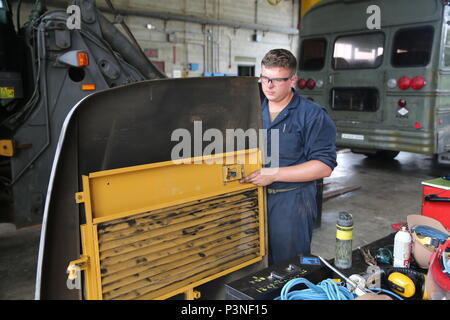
(150, 26)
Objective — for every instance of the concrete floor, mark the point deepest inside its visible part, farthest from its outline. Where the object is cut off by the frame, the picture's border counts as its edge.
(390, 191)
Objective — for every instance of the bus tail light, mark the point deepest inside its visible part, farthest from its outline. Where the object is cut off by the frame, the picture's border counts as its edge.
(301, 83)
(404, 83)
(417, 82)
(319, 83)
(402, 103)
(310, 84)
(392, 83)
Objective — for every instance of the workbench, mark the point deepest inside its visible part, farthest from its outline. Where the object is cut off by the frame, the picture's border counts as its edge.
(267, 283)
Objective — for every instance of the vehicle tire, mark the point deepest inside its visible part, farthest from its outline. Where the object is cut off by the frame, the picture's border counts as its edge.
(387, 154)
(371, 155)
(379, 154)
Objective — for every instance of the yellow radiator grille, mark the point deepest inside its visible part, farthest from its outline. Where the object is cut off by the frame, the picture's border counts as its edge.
(149, 235)
(146, 256)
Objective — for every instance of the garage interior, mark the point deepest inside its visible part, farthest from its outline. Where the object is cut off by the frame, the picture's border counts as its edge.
(375, 179)
(227, 38)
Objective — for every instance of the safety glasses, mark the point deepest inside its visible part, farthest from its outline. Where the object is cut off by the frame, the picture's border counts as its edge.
(275, 81)
(428, 236)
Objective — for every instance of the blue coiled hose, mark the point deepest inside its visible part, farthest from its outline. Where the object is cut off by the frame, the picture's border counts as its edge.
(325, 290)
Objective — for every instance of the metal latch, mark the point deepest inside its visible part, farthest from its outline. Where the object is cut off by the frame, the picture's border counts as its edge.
(79, 197)
(6, 148)
(232, 172)
(76, 266)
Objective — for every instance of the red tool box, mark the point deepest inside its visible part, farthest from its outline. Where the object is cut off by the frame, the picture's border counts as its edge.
(436, 200)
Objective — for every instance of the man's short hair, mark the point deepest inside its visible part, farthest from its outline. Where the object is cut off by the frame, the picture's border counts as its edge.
(281, 58)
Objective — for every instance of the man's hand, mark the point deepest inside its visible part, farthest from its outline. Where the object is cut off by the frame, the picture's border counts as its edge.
(307, 171)
(262, 177)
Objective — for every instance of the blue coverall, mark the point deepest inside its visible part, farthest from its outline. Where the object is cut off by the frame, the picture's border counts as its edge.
(306, 132)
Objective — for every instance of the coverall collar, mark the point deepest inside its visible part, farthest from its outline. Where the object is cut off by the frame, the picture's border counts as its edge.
(283, 113)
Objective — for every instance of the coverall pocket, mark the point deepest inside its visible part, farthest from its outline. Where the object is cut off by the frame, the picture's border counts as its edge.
(290, 146)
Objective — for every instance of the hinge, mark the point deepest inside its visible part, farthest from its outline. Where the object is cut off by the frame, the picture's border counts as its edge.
(76, 266)
(79, 197)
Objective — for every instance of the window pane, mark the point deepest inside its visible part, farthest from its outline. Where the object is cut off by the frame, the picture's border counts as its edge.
(358, 52)
(354, 99)
(412, 47)
(447, 47)
(312, 56)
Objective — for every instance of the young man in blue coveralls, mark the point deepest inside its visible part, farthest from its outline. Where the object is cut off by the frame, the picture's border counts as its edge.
(307, 152)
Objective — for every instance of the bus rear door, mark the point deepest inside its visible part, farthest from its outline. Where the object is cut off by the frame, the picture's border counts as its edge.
(355, 90)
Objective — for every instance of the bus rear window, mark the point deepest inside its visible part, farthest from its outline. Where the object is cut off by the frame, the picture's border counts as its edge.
(354, 99)
(359, 51)
(412, 47)
(312, 56)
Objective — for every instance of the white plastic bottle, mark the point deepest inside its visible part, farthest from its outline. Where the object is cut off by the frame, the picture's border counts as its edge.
(402, 248)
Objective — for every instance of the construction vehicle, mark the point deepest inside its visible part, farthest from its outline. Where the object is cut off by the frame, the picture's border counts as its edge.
(381, 68)
(83, 111)
(46, 67)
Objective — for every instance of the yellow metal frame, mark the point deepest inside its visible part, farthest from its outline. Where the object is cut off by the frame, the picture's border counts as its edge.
(119, 193)
(89, 242)
(6, 148)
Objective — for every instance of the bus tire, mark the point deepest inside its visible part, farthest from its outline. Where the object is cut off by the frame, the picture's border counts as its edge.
(377, 154)
(381, 154)
(388, 154)
(384, 154)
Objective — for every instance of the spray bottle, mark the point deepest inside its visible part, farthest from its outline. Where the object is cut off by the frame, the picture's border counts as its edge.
(344, 235)
(402, 248)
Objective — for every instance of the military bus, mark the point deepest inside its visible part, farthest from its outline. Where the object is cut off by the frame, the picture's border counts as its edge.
(382, 70)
